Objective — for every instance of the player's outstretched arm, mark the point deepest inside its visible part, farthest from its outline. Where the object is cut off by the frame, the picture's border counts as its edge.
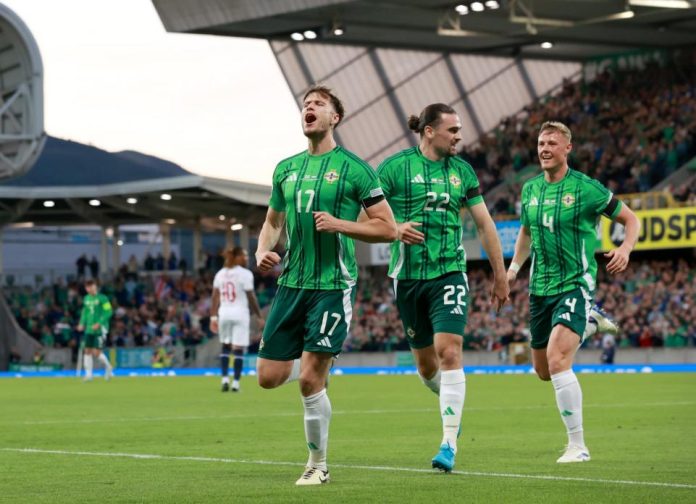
(618, 258)
(523, 247)
(266, 259)
(491, 244)
(378, 227)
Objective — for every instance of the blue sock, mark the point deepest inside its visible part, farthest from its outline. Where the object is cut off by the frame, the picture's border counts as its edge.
(225, 363)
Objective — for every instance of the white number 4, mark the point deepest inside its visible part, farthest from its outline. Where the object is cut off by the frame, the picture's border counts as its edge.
(325, 319)
(548, 222)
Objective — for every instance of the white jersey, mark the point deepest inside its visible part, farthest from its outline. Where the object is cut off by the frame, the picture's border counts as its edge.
(233, 284)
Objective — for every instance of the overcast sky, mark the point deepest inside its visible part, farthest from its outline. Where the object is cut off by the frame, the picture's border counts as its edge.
(114, 78)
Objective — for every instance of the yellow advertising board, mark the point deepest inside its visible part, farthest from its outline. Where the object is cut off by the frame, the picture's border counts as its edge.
(660, 229)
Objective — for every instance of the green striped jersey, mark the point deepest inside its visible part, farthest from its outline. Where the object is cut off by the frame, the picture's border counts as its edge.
(337, 182)
(431, 193)
(562, 218)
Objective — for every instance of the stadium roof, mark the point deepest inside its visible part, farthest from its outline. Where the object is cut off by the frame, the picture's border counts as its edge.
(128, 186)
(579, 29)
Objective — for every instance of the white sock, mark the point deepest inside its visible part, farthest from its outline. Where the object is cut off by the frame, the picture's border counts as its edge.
(89, 365)
(432, 383)
(569, 400)
(590, 330)
(317, 416)
(225, 379)
(105, 361)
(452, 392)
(294, 372)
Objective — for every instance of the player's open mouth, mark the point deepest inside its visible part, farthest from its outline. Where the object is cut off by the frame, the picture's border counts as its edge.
(310, 118)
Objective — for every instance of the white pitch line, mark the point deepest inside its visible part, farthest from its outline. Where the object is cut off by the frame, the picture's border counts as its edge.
(336, 412)
(148, 456)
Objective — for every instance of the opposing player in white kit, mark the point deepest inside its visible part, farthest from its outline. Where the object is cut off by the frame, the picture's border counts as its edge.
(233, 295)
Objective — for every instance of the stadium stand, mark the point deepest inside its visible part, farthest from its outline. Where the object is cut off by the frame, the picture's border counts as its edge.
(631, 130)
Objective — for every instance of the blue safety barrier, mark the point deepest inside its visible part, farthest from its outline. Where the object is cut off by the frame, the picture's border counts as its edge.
(401, 370)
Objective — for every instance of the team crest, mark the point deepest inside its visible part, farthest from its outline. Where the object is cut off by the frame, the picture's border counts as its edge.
(410, 332)
(568, 200)
(454, 180)
(331, 176)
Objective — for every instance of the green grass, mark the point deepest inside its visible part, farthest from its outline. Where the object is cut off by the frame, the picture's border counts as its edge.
(639, 428)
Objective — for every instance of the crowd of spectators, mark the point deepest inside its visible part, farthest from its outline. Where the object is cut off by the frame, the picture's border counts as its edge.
(631, 129)
(654, 303)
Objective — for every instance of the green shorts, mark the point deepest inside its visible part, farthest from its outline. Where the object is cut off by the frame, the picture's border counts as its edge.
(95, 340)
(427, 307)
(306, 320)
(571, 309)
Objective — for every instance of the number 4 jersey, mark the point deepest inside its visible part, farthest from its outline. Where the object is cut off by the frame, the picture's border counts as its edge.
(431, 193)
(233, 285)
(562, 218)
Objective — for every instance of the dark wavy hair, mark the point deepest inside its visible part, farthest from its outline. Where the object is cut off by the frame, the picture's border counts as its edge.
(430, 116)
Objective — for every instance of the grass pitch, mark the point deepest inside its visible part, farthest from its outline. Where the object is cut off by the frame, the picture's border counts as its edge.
(176, 439)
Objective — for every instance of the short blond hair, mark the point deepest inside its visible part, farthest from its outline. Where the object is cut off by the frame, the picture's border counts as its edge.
(557, 126)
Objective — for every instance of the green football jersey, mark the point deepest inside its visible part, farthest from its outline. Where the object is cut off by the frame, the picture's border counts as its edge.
(562, 218)
(431, 193)
(95, 309)
(337, 182)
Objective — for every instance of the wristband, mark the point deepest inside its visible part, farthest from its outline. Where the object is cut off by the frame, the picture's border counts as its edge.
(213, 318)
(514, 267)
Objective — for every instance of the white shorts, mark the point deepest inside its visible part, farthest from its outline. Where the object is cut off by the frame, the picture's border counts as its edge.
(235, 332)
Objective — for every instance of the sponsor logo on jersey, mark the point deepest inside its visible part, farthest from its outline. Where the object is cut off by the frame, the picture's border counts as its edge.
(437, 180)
(310, 177)
(534, 201)
(331, 177)
(550, 202)
(418, 179)
(568, 200)
(454, 180)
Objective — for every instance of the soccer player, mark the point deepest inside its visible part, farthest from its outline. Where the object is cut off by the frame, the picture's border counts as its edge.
(233, 295)
(317, 196)
(94, 321)
(560, 211)
(428, 186)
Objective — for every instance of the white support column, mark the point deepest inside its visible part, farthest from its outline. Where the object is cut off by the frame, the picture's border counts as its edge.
(103, 254)
(197, 247)
(116, 250)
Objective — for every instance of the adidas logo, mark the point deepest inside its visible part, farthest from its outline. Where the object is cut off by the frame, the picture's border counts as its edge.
(325, 342)
(566, 413)
(457, 310)
(292, 178)
(448, 411)
(534, 201)
(566, 316)
(418, 179)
